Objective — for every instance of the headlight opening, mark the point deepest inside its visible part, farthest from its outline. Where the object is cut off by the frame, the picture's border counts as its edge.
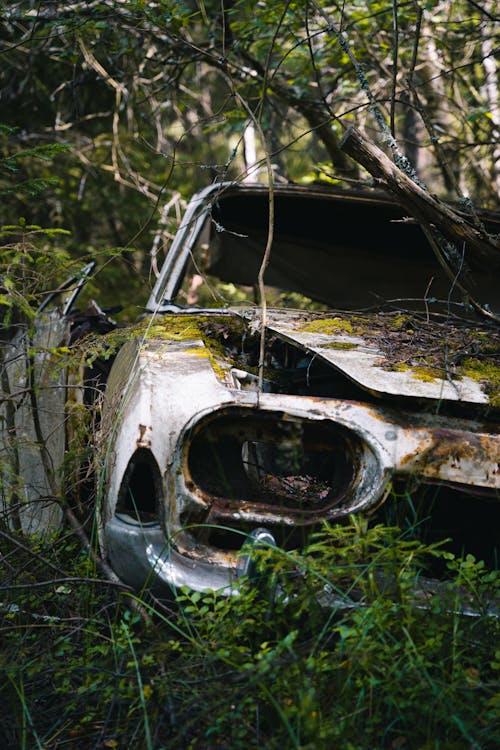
(269, 466)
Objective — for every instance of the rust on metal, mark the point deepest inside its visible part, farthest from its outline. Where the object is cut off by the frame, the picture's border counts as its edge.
(144, 439)
(476, 456)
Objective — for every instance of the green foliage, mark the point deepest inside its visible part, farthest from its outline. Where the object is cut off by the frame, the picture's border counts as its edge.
(33, 264)
(14, 166)
(111, 110)
(328, 648)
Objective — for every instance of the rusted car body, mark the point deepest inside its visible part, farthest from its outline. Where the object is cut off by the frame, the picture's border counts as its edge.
(376, 377)
(375, 372)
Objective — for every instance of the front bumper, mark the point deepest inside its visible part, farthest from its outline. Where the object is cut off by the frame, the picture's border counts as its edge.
(142, 556)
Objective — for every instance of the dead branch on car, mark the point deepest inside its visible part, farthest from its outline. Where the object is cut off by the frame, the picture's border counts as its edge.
(438, 220)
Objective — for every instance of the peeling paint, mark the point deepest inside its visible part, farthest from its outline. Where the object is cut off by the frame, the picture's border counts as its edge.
(144, 439)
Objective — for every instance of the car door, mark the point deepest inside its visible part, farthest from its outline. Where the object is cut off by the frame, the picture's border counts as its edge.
(32, 414)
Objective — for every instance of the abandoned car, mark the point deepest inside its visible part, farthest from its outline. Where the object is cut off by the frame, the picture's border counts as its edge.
(367, 370)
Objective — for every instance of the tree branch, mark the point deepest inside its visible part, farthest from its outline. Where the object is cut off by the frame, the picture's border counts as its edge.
(483, 250)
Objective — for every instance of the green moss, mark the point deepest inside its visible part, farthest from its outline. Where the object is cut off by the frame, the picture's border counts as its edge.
(219, 366)
(481, 336)
(189, 328)
(427, 374)
(486, 373)
(326, 326)
(399, 367)
(173, 328)
(219, 358)
(167, 328)
(399, 321)
(341, 345)
(198, 351)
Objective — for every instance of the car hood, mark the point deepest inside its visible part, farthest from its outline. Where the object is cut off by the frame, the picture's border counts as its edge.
(397, 355)
(385, 356)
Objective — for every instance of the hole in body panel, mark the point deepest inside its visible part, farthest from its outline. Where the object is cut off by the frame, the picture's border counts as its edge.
(141, 487)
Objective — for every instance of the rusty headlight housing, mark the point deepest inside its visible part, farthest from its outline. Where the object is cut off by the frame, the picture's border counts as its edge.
(275, 468)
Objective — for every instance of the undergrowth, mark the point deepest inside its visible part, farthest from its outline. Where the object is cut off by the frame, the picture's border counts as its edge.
(329, 648)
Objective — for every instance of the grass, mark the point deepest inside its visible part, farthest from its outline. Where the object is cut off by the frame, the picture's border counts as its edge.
(271, 668)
